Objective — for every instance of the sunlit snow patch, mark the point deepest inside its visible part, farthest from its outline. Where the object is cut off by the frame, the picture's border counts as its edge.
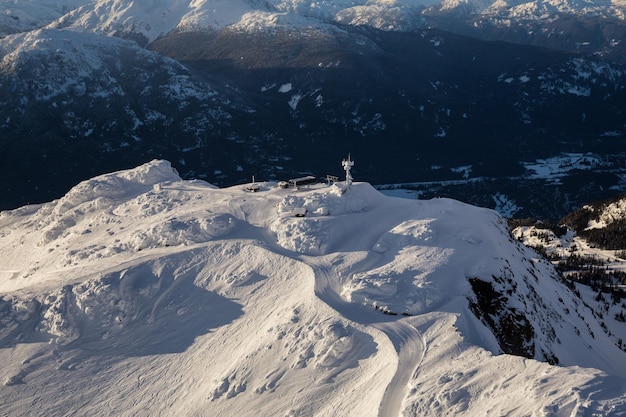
(311, 234)
(405, 282)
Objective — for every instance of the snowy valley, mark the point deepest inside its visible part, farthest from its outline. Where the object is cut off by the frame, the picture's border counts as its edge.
(139, 293)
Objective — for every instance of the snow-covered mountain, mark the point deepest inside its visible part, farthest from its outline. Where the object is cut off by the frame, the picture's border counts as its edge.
(25, 15)
(150, 19)
(55, 67)
(594, 26)
(264, 88)
(83, 101)
(534, 9)
(138, 293)
(231, 105)
(145, 21)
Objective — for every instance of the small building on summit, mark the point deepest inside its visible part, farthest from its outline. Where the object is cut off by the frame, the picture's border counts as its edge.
(297, 182)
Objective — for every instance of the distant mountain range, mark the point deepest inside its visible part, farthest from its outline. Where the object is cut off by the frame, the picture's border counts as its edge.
(456, 98)
(585, 25)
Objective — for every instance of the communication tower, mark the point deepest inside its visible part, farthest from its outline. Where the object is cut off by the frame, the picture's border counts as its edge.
(347, 166)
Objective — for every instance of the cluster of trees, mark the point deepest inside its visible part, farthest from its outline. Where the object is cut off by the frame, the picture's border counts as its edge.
(539, 232)
(587, 270)
(593, 272)
(559, 229)
(575, 262)
(612, 237)
(574, 267)
(603, 282)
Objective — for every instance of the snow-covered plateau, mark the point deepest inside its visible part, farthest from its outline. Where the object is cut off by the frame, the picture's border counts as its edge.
(140, 294)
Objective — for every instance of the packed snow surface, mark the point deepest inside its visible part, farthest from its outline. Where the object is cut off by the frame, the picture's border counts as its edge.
(140, 294)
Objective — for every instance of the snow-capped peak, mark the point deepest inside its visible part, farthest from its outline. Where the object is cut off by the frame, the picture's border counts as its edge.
(165, 296)
(132, 18)
(145, 21)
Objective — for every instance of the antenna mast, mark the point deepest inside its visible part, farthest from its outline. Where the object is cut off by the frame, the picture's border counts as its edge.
(347, 166)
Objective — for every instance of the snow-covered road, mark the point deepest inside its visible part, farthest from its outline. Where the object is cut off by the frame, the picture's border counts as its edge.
(406, 339)
(410, 346)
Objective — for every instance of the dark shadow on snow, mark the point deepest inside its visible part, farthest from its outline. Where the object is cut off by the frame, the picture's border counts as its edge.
(137, 312)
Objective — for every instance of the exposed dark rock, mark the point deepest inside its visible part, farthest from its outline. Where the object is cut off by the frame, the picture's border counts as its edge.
(514, 332)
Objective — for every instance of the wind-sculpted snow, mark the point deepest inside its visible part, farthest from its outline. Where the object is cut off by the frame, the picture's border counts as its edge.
(126, 195)
(403, 285)
(116, 187)
(312, 234)
(143, 294)
(443, 388)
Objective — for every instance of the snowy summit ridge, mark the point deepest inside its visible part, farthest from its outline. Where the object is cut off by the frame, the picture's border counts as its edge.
(151, 19)
(171, 297)
(121, 17)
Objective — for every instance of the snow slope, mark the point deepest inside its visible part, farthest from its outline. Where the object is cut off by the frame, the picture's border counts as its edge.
(138, 293)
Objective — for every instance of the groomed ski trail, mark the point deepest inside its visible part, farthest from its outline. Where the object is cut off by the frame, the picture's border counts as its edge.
(406, 339)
